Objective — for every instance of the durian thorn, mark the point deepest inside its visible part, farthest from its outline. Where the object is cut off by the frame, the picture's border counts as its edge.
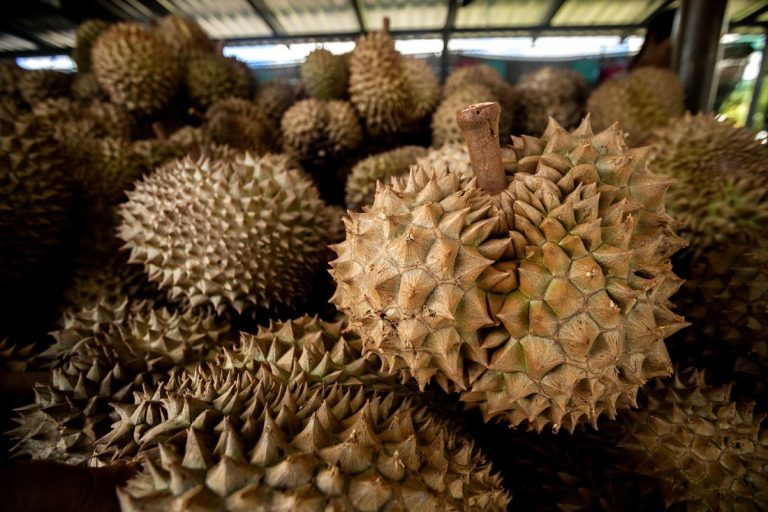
(480, 125)
(159, 130)
(385, 25)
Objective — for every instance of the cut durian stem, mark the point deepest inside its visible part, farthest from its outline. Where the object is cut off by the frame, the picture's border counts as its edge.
(480, 125)
(385, 25)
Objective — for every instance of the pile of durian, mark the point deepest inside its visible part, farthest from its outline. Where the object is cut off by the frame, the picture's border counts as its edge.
(366, 291)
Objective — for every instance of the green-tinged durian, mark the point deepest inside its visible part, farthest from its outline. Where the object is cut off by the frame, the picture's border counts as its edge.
(378, 85)
(136, 68)
(183, 36)
(361, 182)
(444, 127)
(86, 87)
(240, 124)
(319, 132)
(707, 452)
(41, 84)
(209, 78)
(15, 357)
(423, 88)
(86, 34)
(206, 231)
(280, 447)
(550, 92)
(640, 102)
(325, 76)
(545, 303)
(272, 101)
(35, 200)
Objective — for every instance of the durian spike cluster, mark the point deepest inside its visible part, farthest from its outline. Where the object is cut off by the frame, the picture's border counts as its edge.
(545, 303)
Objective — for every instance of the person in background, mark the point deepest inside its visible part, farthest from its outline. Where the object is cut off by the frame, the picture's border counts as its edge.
(657, 47)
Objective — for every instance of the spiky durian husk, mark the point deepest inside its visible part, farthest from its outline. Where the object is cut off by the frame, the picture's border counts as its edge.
(86, 87)
(9, 79)
(35, 199)
(298, 447)
(726, 167)
(641, 102)
(378, 85)
(550, 92)
(423, 88)
(320, 132)
(15, 357)
(545, 304)
(502, 91)
(706, 451)
(239, 124)
(138, 335)
(183, 36)
(223, 250)
(454, 157)
(86, 34)
(71, 121)
(444, 127)
(66, 417)
(127, 51)
(273, 99)
(210, 78)
(361, 182)
(41, 84)
(325, 76)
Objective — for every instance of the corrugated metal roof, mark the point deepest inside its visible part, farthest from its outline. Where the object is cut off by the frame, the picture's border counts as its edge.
(500, 13)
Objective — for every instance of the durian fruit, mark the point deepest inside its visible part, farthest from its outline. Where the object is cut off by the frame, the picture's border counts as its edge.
(67, 416)
(209, 78)
(707, 452)
(542, 297)
(135, 67)
(183, 36)
(272, 100)
(236, 232)
(550, 92)
(86, 87)
(361, 182)
(444, 127)
(240, 124)
(324, 75)
(454, 157)
(86, 34)
(378, 84)
(35, 200)
(41, 84)
(9, 79)
(252, 444)
(641, 102)
(138, 335)
(15, 357)
(423, 88)
(71, 121)
(320, 132)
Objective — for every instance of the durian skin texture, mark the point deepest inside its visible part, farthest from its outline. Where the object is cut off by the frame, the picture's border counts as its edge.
(252, 233)
(545, 305)
(127, 50)
(325, 76)
(706, 451)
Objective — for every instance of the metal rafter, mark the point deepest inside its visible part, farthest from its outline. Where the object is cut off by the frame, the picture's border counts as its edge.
(448, 28)
(554, 7)
(21, 33)
(355, 4)
(263, 12)
(752, 17)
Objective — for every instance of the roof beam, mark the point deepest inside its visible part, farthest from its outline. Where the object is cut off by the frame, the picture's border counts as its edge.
(450, 25)
(554, 7)
(752, 17)
(22, 33)
(359, 15)
(263, 12)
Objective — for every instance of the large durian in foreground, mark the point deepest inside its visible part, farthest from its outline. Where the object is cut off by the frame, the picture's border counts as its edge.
(541, 297)
(560, 93)
(135, 67)
(325, 76)
(640, 102)
(235, 232)
(707, 452)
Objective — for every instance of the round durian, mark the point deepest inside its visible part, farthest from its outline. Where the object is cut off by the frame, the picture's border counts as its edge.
(240, 124)
(135, 67)
(86, 34)
(320, 132)
(444, 127)
(183, 36)
(272, 101)
(707, 452)
(238, 233)
(541, 296)
(640, 102)
(560, 93)
(378, 84)
(281, 447)
(86, 87)
(324, 75)
(423, 88)
(209, 78)
(41, 84)
(361, 182)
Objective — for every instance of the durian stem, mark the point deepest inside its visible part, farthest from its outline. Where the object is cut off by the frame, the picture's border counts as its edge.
(385, 25)
(160, 131)
(480, 125)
